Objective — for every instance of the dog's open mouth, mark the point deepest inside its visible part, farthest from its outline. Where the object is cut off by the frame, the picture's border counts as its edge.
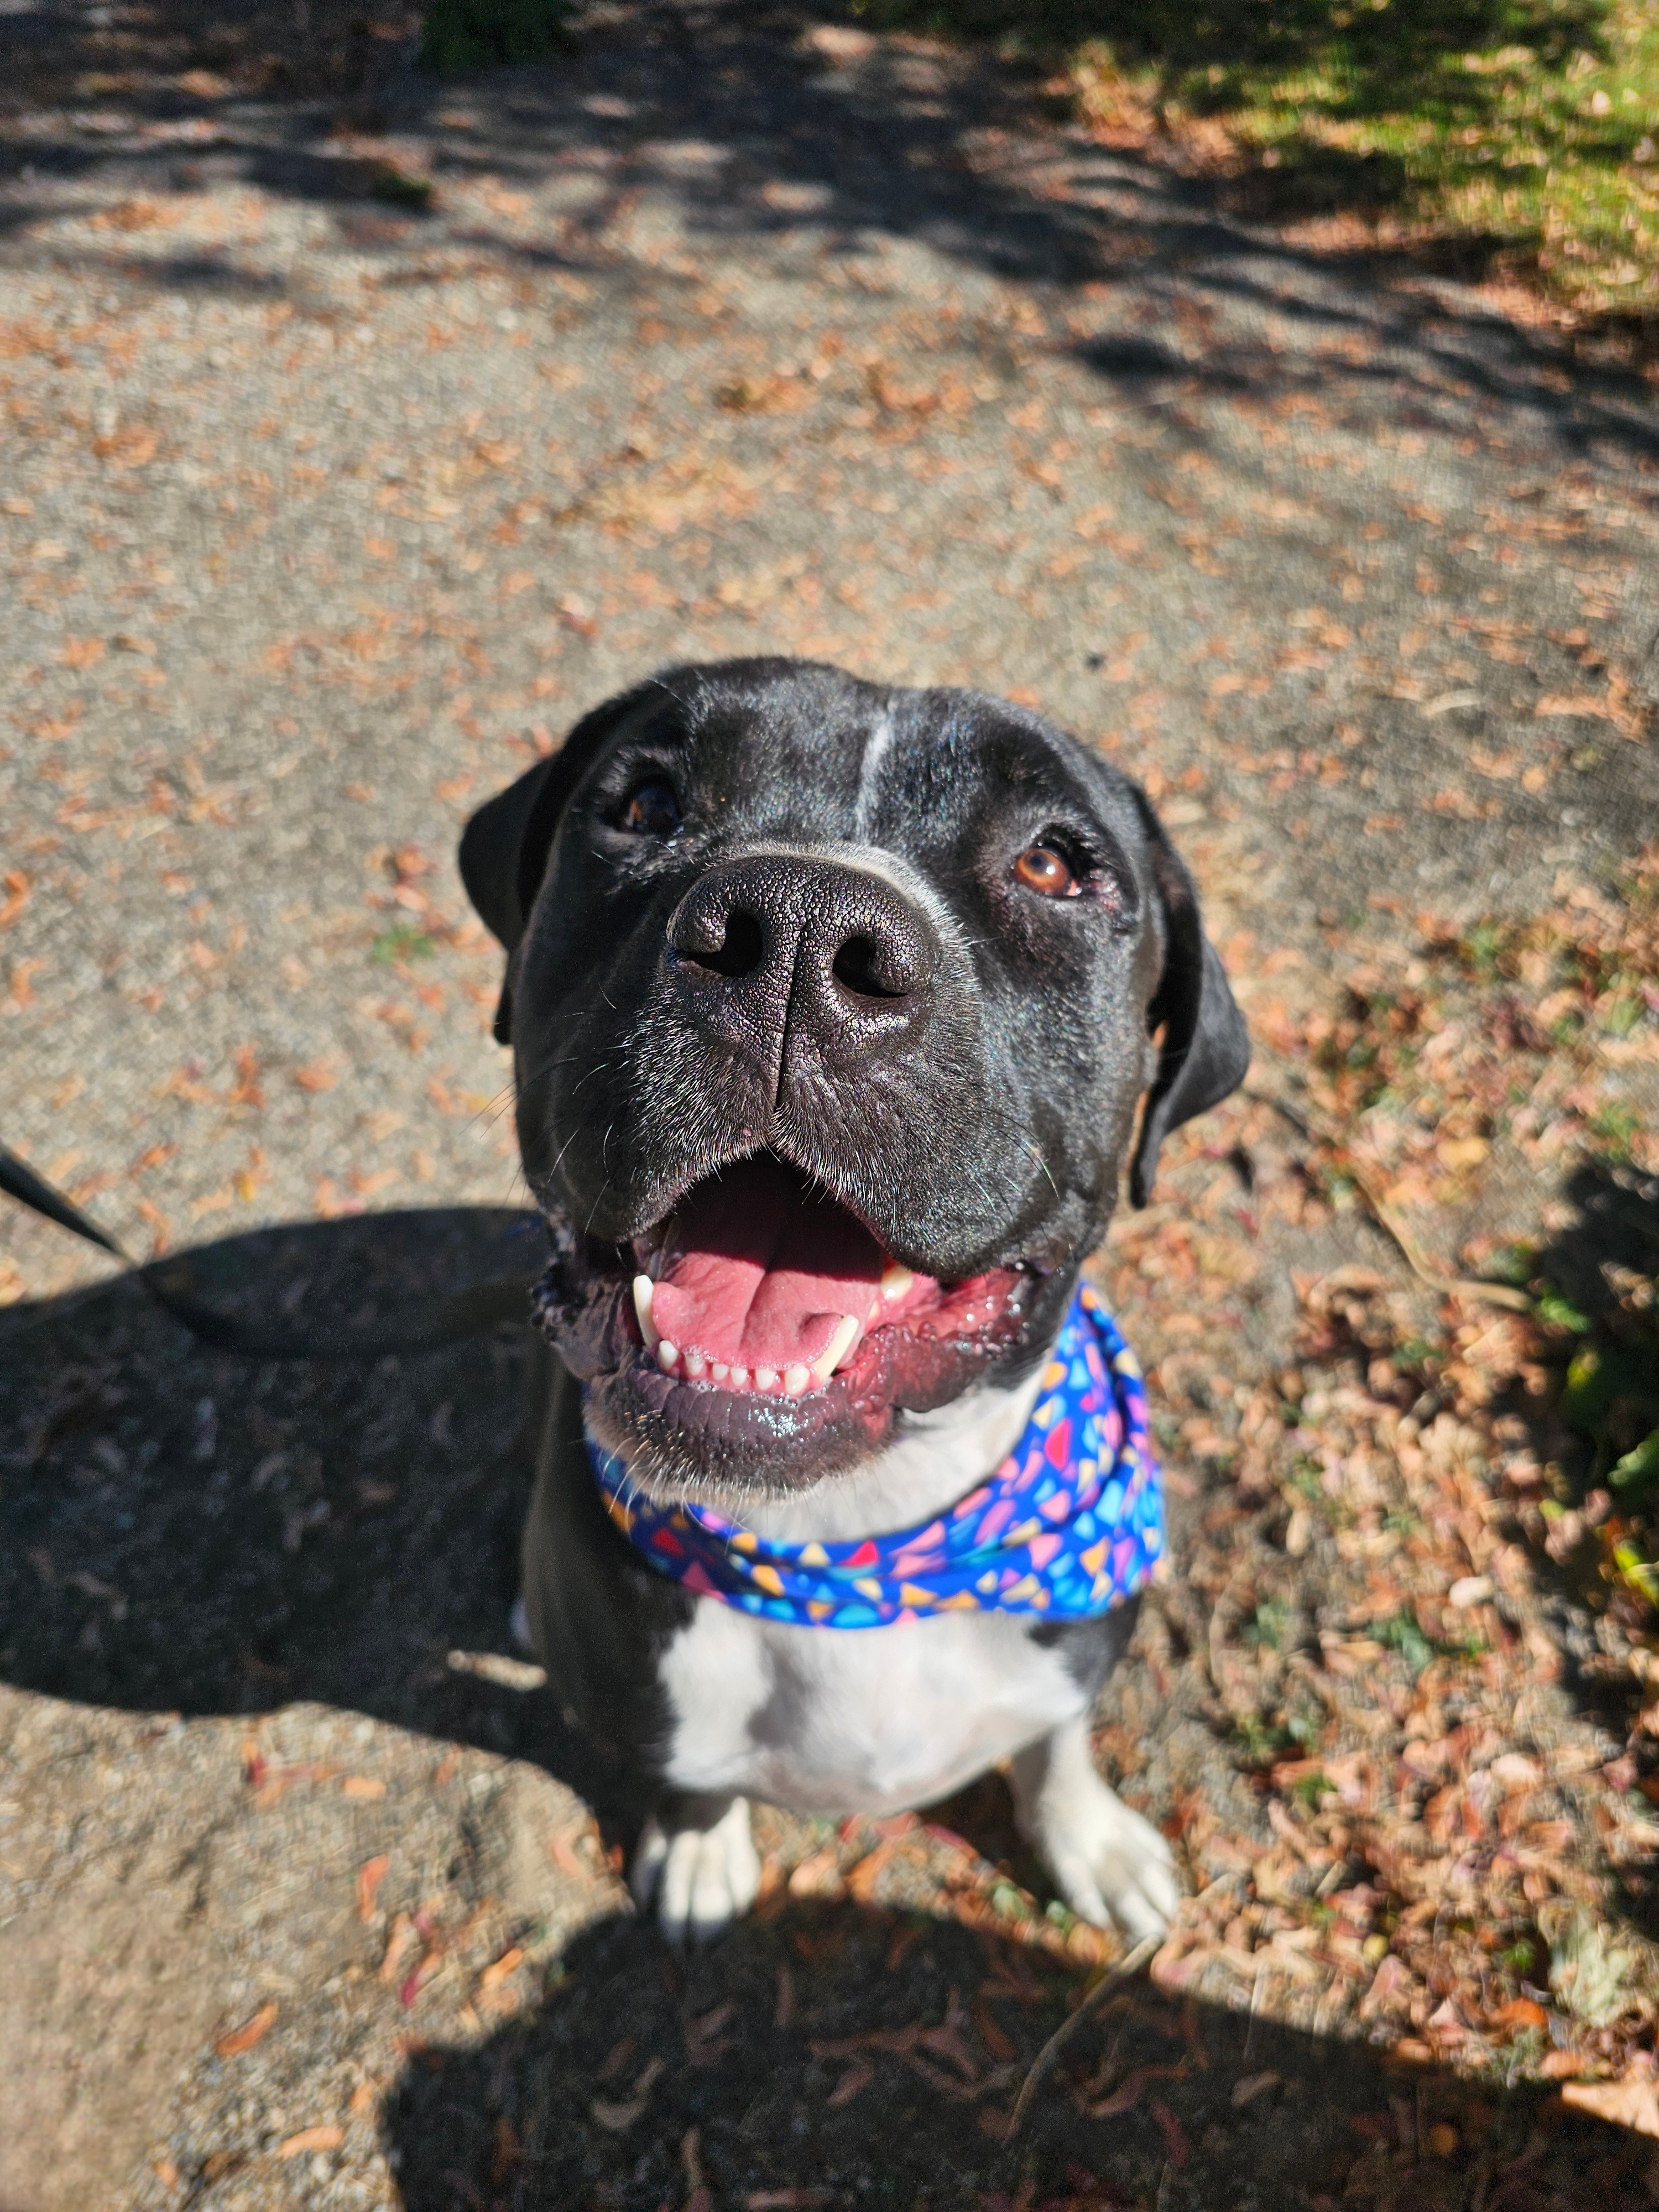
(760, 1306)
(755, 1283)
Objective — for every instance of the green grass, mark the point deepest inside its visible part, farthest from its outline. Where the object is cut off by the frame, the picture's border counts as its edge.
(403, 941)
(1524, 132)
(1270, 1625)
(462, 35)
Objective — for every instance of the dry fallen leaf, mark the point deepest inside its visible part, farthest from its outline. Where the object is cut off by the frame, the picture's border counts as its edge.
(370, 1875)
(401, 1936)
(1584, 704)
(328, 2136)
(992, 2034)
(858, 2077)
(1559, 2065)
(236, 2040)
(866, 1873)
(614, 2117)
(1631, 2103)
(498, 1972)
(818, 1875)
(1519, 2011)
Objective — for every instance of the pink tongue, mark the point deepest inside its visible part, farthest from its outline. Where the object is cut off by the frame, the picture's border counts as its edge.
(763, 1269)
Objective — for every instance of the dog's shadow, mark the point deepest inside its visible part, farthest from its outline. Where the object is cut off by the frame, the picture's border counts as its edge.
(840, 2056)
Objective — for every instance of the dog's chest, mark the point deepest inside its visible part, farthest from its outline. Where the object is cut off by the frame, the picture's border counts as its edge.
(828, 1721)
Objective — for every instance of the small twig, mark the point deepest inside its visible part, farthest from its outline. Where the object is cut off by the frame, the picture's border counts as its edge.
(1106, 2079)
(1256, 1986)
(1492, 1294)
(1126, 1967)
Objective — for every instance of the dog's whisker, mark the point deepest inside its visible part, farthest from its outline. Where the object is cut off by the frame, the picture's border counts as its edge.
(495, 1107)
(588, 1226)
(1037, 1154)
(564, 1149)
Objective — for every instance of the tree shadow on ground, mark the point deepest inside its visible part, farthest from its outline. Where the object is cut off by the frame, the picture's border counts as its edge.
(889, 143)
(1615, 1226)
(1353, 61)
(838, 2056)
(1602, 1269)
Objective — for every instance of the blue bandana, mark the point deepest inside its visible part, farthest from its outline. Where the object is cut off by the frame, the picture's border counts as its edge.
(1069, 1526)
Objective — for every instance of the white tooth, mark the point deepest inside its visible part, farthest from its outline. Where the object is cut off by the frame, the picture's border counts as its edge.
(667, 1355)
(766, 1378)
(875, 1308)
(739, 1378)
(796, 1378)
(846, 1336)
(694, 1364)
(644, 1291)
(894, 1280)
(719, 1370)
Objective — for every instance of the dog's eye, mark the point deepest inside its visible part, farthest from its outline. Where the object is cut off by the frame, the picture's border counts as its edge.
(650, 810)
(1041, 868)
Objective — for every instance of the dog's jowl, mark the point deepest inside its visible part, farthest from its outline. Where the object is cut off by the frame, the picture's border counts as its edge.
(832, 1009)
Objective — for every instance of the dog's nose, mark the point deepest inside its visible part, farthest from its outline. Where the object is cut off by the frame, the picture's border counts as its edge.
(778, 950)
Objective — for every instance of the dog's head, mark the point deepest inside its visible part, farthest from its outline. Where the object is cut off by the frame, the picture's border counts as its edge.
(831, 1007)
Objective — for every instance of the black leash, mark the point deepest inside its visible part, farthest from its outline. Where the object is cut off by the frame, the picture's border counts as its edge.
(450, 1321)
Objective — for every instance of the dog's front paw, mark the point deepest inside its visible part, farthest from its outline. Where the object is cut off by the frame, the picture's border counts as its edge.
(700, 1864)
(1110, 1865)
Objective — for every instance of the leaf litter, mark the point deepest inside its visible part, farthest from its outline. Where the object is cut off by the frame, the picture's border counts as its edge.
(1449, 1854)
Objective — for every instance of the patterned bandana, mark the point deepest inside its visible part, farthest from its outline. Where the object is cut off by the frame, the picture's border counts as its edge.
(1070, 1524)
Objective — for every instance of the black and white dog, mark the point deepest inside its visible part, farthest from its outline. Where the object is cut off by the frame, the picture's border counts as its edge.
(831, 1008)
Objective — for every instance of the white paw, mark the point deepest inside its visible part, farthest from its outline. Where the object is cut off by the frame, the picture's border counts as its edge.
(1110, 1865)
(702, 1877)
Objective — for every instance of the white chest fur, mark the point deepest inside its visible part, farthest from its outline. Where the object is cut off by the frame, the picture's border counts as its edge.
(870, 1719)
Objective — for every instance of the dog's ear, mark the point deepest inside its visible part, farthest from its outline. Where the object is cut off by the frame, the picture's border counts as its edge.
(505, 846)
(1206, 1047)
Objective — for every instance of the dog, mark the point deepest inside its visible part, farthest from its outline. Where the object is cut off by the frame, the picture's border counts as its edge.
(832, 1006)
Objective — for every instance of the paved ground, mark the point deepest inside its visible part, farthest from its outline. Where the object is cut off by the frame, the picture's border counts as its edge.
(323, 514)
